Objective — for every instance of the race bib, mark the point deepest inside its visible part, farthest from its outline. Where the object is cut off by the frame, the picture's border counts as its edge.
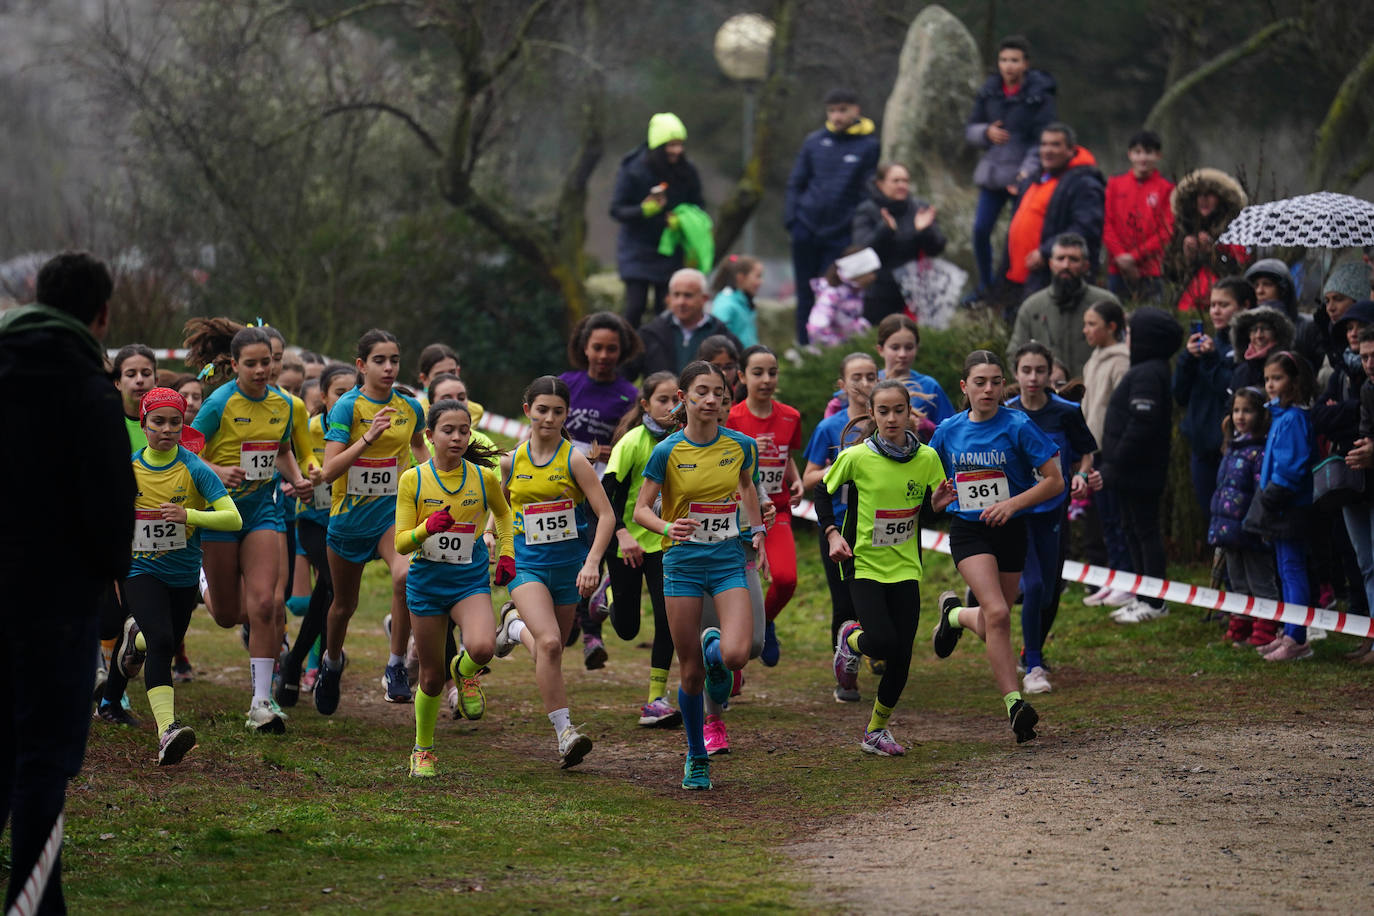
(153, 535)
(893, 526)
(452, 546)
(258, 460)
(322, 497)
(980, 489)
(771, 472)
(372, 477)
(550, 522)
(716, 522)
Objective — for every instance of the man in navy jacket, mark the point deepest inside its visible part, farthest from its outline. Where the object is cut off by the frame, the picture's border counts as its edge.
(826, 184)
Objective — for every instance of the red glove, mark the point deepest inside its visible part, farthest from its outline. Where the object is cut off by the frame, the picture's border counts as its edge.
(439, 521)
(505, 570)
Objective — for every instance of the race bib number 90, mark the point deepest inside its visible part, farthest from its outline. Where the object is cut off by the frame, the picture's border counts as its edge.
(980, 489)
(452, 546)
(716, 522)
(372, 477)
(550, 522)
(258, 460)
(893, 526)
(153, 535)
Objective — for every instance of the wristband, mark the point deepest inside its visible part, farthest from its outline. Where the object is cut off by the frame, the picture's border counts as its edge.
(413, 539)
(758, 529)
(365, 439)
(830, 528)
(1083, 474)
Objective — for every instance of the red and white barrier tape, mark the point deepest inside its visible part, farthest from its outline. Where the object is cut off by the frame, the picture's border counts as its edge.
(516, 429)
(29, 897)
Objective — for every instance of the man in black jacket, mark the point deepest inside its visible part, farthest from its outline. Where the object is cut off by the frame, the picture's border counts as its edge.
(68, 521)
(1135, 448)
(671, 340)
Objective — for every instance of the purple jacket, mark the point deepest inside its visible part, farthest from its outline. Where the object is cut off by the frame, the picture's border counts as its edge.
(1237, 484)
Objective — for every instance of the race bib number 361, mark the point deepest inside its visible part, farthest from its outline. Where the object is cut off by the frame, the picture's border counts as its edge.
(981, 489)
(372, 477)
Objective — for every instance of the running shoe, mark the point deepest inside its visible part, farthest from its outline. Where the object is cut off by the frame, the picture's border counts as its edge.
(599, 605)
(308, 680)
(718, 677)
(1023, 718)
(287, 689)
(593, 651)
(327, 686)
(102, 674)
(946, 637)
(772, 650)
(1036, 681)
(1098, 597)
(397, 684)
(1270, 646)
(659, 713)
(504, 641)
(1118, 598)
(572, 747)
(846, 660)
(846, 694)
(696, 773)
(453, 703)
(876, 666)
(472, 700)
(115, 713)
(1139, 611)
(130, 656)
(182, 672)
(264, 717)
(881, 743)
(422, 763)
(386, 626)
(176, 741)
(717, 742)
(1290, 651)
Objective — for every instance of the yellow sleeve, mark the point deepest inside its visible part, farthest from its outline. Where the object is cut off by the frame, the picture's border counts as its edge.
(475, 411)
(408, 535)
(222, 515)
(500, 513)
(302, 445)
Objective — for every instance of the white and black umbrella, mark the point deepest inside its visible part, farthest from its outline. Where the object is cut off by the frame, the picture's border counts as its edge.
(1321, 220)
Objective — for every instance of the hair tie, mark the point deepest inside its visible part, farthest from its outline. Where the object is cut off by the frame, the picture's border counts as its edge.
(206, 372)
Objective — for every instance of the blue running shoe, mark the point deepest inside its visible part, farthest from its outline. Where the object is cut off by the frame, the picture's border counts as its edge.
(327, 686)
(696, 773)
(772, 651)
(397, 682)
(718, 677)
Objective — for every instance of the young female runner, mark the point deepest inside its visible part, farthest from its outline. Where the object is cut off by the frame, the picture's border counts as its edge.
(637, 560)
(372, 433)
(899, 340)
(891, 477)
(992, 452)
(776, 427)
(858, 375)
(440, 509)
(438, 359)
(702, 473)
(547, 481)
(135, 371)
(247, 427)
(178, 495)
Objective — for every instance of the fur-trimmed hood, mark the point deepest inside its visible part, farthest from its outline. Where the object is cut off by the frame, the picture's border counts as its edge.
(1244, 321)
(1231, 199)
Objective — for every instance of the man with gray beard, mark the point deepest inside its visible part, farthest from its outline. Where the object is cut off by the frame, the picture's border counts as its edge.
(1054, 315)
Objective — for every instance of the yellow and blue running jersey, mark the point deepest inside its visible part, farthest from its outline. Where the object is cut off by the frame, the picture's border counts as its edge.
(469, 492)
(700, 480)
(364, 497)
(183, 480)
(317, 509)
(550, 517)
(244, 432)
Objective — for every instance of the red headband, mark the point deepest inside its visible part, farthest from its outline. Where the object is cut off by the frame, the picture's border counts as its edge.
(160, 397)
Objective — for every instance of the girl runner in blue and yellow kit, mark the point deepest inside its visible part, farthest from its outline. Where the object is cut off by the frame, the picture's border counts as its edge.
(174, 490)
(439, 514)
(702, 473)
(372, 433)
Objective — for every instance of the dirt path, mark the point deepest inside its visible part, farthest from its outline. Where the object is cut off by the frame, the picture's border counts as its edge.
(1187, 819)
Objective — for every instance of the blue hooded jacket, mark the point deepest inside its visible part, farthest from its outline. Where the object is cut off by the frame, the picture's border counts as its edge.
(828, 181)
(1288, 452)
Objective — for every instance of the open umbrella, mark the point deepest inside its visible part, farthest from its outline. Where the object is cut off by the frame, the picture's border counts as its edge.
(1321, 220)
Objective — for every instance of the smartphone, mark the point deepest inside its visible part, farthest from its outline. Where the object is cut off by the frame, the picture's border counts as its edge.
(1197, 327)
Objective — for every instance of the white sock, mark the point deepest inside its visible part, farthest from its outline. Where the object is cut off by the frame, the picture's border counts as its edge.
(394, 659)
(712, 707)
(561, 719)
(516, 628)
(332, 660)
(262, 677)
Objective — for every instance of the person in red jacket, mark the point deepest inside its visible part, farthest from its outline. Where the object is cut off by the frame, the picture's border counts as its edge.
(1138, 222)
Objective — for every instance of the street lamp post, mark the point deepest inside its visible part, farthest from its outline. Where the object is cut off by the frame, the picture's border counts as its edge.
(742, 48)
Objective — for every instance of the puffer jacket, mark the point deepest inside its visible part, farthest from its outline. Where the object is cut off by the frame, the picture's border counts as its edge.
(1024, 115)
(1285, 483)
(828, 179)
(1197, 277)
(1250, 373)
(1135, 446)
(1237, 483)
(894, 247)
(636, 248)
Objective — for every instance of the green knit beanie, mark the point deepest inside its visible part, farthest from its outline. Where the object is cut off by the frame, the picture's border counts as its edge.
(664, 127)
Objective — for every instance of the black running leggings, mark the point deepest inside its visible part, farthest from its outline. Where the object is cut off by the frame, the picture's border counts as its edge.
(888, 613)
(626, 584)
(163, 612)
(311, 537)
(841, 604)
(112, 617)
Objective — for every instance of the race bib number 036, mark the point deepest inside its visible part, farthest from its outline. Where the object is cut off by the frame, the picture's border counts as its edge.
(153, 535)
(258, 460)
(716, 522)
(893, 526)
(372, 477)
(550, 522)
(452, 546)
(980, 489)
(771, 472)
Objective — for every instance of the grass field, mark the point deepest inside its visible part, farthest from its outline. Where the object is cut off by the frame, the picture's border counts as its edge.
(326, 817)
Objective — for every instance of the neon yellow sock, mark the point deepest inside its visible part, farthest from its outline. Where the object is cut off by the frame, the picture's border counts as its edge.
(466, 666)
(164, 708)
(853, 639)
(954, 618)
(140, 643)
(658, 683)
(1010, 699)
(880, 716)
(426, 715)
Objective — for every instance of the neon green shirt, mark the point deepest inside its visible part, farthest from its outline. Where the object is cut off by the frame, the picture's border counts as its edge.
(626, 464)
